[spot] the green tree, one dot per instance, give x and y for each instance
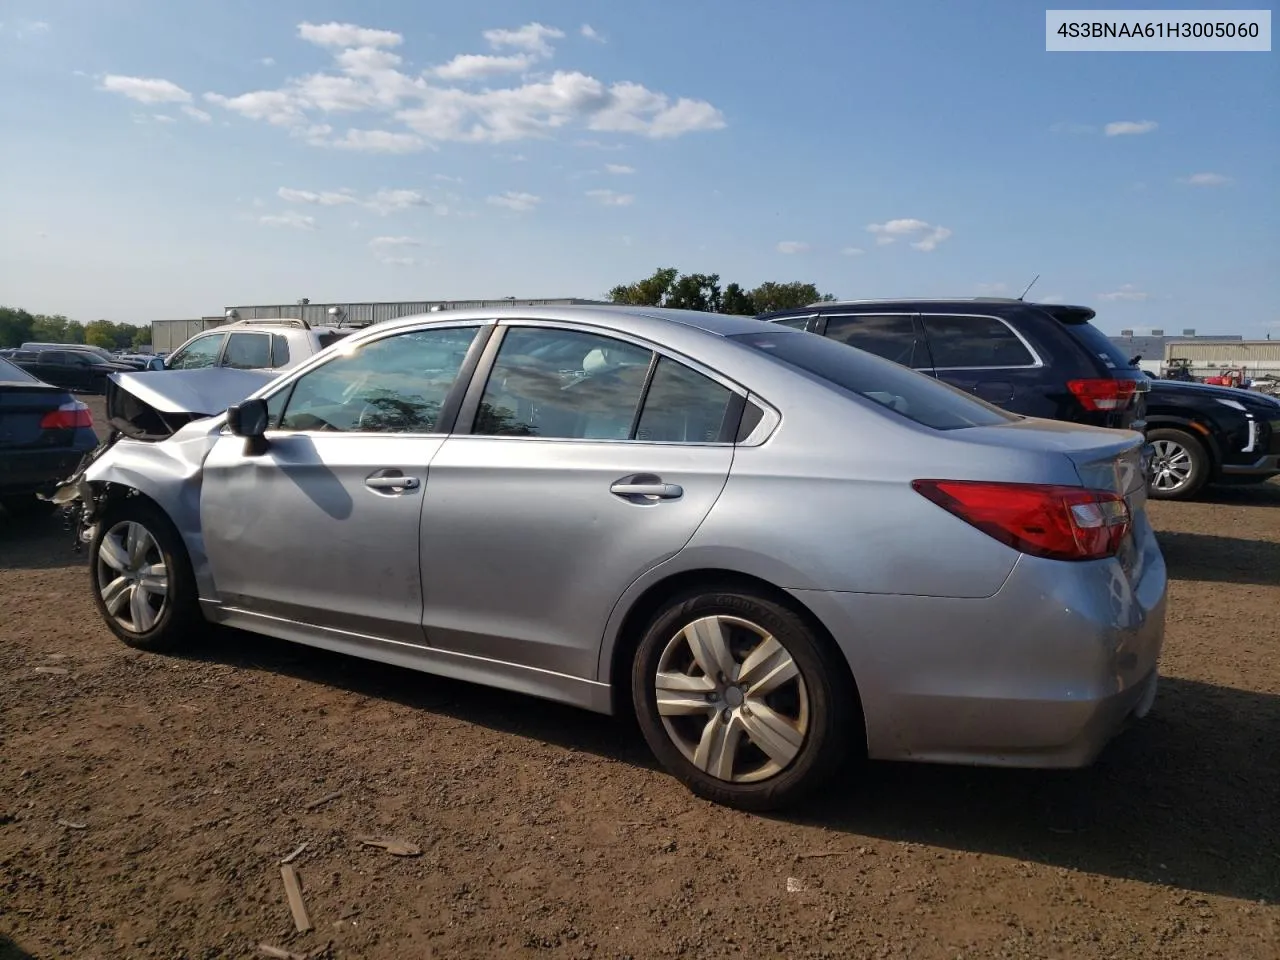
(141, 336)
(649, 292)
(49, 328)
(695, 291)
(738, 301)
(770, 296)
(15, 326)
(100, 333)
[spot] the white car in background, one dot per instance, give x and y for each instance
(278, 345)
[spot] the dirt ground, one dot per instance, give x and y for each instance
(146, 801)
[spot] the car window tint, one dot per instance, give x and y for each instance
(892, 336)
(396, 384)
(201, 352)
(279, 350)
(14, 374)
(797, 323)
(51, 356)
(974, 342)
(682, 406)
(248, 351)
(915, 396)
(562, 384)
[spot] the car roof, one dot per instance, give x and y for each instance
(994, 305)
(623, 316)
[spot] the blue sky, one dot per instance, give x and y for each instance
(165, 160)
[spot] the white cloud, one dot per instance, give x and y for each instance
(268, 61)
(25, 28)
(1206, 180)
(1127, 292)
(792, 246)
(597, 145)
(852, 251)
(382, 243)
(388, 201)
(619, 168)
(379, 141)
(476, 66)
(608, 198)
(163, 118)
(1122, 128)
(289, 218)
(145, 89)
(347, 35)
(629, 107)
(445, 178)
(532, 37)
(276, 107)
(195, 113)
(398, 261)
(521, 202)
(591, 33)
(1051, 298)
(327, 198)
(926, 236)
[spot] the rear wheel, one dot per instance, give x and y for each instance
(142, 580)
(1179, 464)
(740, 700)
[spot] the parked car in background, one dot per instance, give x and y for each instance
(777, 551)
(73, 369)
(38, 345)
(1035, 359)
(1203, 434)
(44, 432)
(251, 345)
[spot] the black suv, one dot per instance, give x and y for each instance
(1036, 359)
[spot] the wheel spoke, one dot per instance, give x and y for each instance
(772, 733)
(681, 695)
(718, 747)
(766, 668)
(710, 648)
(134, 544)
(140, 610)
(113, 554)
(115, 594)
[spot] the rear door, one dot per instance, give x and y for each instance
(590, 459)
(894, 336)
(986, 356)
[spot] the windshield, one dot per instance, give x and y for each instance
(915, 396)
(14, 374)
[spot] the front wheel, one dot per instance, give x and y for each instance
(1179, 464)
(142, 580)
(739, 699)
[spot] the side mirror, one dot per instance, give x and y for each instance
(155, 363)
(248, 419)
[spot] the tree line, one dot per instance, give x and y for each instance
(667, 287)
(17, 327)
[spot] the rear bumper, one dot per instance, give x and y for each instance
(1043, 674)
(38, 471)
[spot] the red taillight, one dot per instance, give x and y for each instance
(1104, 394)
(67, 417)
(1058, 523)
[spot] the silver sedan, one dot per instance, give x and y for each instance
(778, 551)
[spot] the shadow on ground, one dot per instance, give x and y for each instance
(1207, 557)
(36, 543)
(11, 951)
(1186, 798)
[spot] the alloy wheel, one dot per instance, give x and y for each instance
(732, 699)
(1171, 465)
(132, 577)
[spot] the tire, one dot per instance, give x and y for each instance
(1185, 461)
(818, 706)
(174, 617)
(27, 505)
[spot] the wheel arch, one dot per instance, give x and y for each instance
(1194, 428)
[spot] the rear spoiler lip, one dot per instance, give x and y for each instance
(1067, 313)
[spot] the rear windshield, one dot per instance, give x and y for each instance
(330, 337)
(913, 395)
(1096, 342)
(12, 374)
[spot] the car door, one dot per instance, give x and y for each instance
(54, 366)
(247, 351)
(580, 462)
(985, 356)
(894, 336)
(322, 528)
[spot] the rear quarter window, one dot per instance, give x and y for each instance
(1099, 345)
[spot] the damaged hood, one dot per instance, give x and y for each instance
(152, 405)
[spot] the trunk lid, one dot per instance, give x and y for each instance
(22, 407)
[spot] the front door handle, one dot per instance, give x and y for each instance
(392, 483)
(646, 487)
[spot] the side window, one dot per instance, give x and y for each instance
(562, 384)
(394, 385)
(279, 350)
(892, 336)
(248, 351)
(201, 352)
(798, 323)
(682, 406)
(957, 341)
(55, 357)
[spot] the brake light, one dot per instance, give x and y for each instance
(1103, 394)
(69, 416)
(1043, 520)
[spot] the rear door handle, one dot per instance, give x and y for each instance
(392, 483)
(655, 489)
